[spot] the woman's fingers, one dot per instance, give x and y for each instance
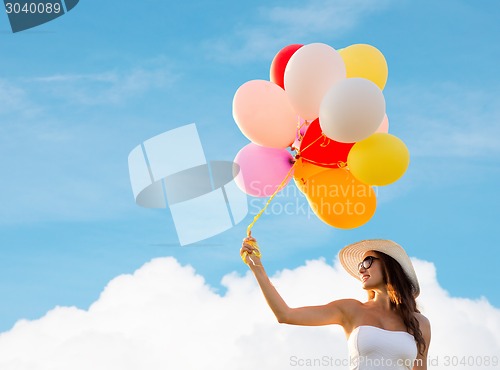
(250, 251)
(247, 248)
(248, 243)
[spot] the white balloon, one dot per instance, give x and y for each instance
(310, 73)
(352, 110)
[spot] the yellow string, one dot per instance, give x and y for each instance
(256, 251)
(278, 189)
(299, 127)
(254, 244)
(326, 142)
(299, 135)
(302, 149)
(339, 164)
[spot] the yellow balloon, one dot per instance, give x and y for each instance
(303, 171)
(380, 159)
(365, 61)
(339, 199)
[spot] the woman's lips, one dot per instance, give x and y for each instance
(364, 278)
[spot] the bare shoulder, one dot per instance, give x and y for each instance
(422, 320)
(348, 303)
(425, 325)
(350, 308)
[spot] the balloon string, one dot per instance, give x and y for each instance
(278, 189)
(340, 164)
(299, 127)
(318, 138)
(280, 186)
(299, 134)
(326, 141)
(256, 252)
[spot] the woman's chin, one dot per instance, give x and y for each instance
(367, 286)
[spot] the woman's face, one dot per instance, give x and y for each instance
(371, 277)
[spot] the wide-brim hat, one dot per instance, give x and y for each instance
(351, 255)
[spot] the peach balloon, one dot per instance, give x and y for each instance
(264, 115)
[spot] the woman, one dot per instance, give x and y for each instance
(385, 332)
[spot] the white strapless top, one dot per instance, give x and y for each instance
(373, 348)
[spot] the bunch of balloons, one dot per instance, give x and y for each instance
(321, 119)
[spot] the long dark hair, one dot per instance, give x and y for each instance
(399, 289)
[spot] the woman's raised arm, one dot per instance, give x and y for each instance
(335, 312)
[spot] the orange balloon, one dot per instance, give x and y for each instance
(303, 171)
(339, 199)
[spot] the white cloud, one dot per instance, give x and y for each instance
(276, 26)
(166, 316)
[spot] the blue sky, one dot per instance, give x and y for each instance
(79, 93)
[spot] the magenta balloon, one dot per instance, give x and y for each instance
(263, 113)
(262, 169)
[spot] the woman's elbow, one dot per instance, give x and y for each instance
(282, 320)
(282, 317)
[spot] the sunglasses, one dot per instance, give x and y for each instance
(367, 262)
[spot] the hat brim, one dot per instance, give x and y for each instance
(351, 255)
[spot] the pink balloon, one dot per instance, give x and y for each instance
(262, 169)
(264, 115)
(384, 126)
(304, 125)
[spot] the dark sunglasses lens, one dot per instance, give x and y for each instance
(367, 262)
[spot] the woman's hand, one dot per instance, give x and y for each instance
(250, 252)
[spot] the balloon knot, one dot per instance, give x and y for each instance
(326, 141)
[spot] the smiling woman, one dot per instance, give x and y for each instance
(386, 331)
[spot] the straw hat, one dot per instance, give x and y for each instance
(351, 255)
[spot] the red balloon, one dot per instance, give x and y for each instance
(279, 64)
(318, 149)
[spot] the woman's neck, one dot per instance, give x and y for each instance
(381, 300)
